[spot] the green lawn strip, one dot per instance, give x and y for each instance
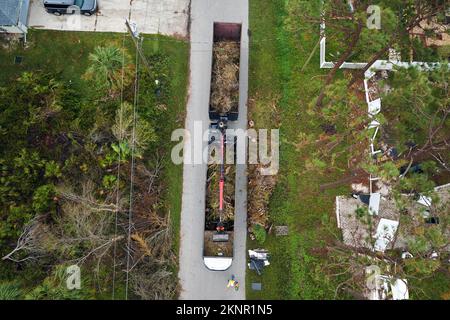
(275, 65)
(65, 53)
(178, 51)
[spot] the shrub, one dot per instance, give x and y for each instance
(42, 198)
(9, 291)
(260, 233)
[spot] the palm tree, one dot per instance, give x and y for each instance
(108, 68)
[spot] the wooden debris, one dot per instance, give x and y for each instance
(225, 76)
(260, 188)
(213, 192)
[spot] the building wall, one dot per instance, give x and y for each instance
(12, 29)
(24, 10)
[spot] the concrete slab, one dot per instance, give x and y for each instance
(256, 286)
(168, 17)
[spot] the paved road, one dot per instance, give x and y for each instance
(169, 17)
(196, 280)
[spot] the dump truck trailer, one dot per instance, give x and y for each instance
(226, 52)
(221, 175)
(219, 200)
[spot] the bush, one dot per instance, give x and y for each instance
(260, 233)
(42, 198)
(9, 291)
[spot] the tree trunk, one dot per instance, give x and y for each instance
(344, 57)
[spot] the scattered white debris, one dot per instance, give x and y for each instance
(386, 231)
(407, 255)
(374, 204)
(399, 289)
(374, 107)
(425, 201)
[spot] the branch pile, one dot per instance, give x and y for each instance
(260, 188)
(225, 76)
(213, 192)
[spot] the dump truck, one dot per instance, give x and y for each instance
(221, 172)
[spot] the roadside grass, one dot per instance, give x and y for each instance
(178, 51)
(65, 54)
(276, 61)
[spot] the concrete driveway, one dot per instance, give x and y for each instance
(169, 17)
(197, 282)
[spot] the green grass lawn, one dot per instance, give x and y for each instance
(65, 53)
(178, 51)
(276, 60)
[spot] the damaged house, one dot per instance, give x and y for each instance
(374, 221)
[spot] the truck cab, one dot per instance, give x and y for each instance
(59, 7)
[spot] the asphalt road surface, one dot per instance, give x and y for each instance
(197, 282)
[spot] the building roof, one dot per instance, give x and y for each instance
(356, 231)
(384, 232)
(440, 36)
(13, 11)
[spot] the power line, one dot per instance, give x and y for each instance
(134, 37)
(133, 159)
(118, 172)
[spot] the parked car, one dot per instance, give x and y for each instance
(59, 7)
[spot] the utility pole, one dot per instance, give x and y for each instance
(132, 30)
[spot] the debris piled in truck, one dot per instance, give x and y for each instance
(225, 76)
(212, 189)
